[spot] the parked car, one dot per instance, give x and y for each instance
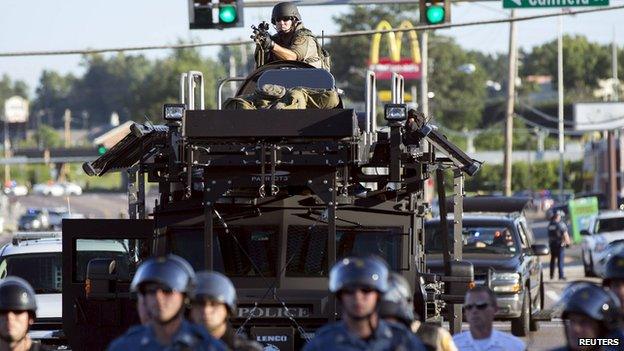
(36, 257)
(34, 219)
(604, 228)
(57, 216)
(15, 189)
(51, 189)
(71, 188)
(505, 257)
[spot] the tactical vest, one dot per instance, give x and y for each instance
(324, 56)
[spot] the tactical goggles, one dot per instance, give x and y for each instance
(479, 306)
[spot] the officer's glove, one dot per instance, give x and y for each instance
(267, 44)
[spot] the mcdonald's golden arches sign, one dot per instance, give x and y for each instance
(408, 67)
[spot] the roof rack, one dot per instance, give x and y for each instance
(23, 236)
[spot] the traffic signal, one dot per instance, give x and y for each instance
(435, 11)
(215, 14)
(101, 149)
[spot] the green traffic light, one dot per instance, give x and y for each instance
(101, 150)
(435, 14)
(227, 14)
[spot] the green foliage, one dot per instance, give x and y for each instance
(584, 62)
(533, 176)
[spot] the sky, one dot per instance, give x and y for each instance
(39, 25)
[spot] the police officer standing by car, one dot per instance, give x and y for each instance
(397, 305)
(558, 239)
(213, 302)
(18, 308)
(164, 282)
(293, 41)
(591, 313)
(358, 284)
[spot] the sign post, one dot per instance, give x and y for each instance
(516, 4)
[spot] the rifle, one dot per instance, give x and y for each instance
(260, 33)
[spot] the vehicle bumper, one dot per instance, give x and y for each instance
(509, 305)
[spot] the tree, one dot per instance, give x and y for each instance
(52, 97)
(584, 63)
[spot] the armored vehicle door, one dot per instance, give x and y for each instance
(100, 257)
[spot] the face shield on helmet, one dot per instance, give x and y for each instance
(214, 286)
(354, 272)
(171, 271)
(593, 301)
(397, 302)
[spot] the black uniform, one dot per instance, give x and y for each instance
(556, 230)
(238, 342)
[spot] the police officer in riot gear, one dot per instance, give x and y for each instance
(557, 239)
(358, 284)
(164, 282)
(18, 308)
(590, 312)
(293, 41)
(213, 301)
(397, 305)
(614, 276)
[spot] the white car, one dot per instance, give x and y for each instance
(16, 190)
(604, 228)
(49, 189)
(71, 188)
(36, 257)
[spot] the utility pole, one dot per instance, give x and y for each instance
(64, 168)
(560, 108)
(511, 96)
(611, 134)
(7, 152)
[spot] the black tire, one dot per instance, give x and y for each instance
(520, 326)
(534, 324)
(542, 292)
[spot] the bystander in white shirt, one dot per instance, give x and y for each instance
(498, 341)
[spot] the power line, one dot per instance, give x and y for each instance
(336, 35)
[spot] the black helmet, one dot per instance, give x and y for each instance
(216, 287)
(397, 301)
(614, 269)
(285, 9)
(17, 295)
(171, 271)
(354, 271)
(595, 302)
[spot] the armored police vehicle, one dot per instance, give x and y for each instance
(271, 198)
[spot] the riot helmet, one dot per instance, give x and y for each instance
(349, 272)
(614, 269)
(16, 294)
(397, 301)
(285, 9)
(171, 271)
(595, 302)
(214, 286)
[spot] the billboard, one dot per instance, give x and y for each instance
(581, 211)
(16, 110)
(408, 67)
(598, 115)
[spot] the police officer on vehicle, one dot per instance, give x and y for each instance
(293, 41)
(213, 301)
(397, 305)
(358, 284)
(164, 282)
(18, 308)
(591, 312)
(614, 276)
(558, 239)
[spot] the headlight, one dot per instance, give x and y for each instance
(506, 282)
(173, 112)
(395, 112)
(600, 246)
(36, 224)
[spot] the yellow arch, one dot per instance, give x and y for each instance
(394, 41)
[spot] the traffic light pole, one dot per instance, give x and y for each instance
(424, 86)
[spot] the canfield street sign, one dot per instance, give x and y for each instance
(510, 4)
